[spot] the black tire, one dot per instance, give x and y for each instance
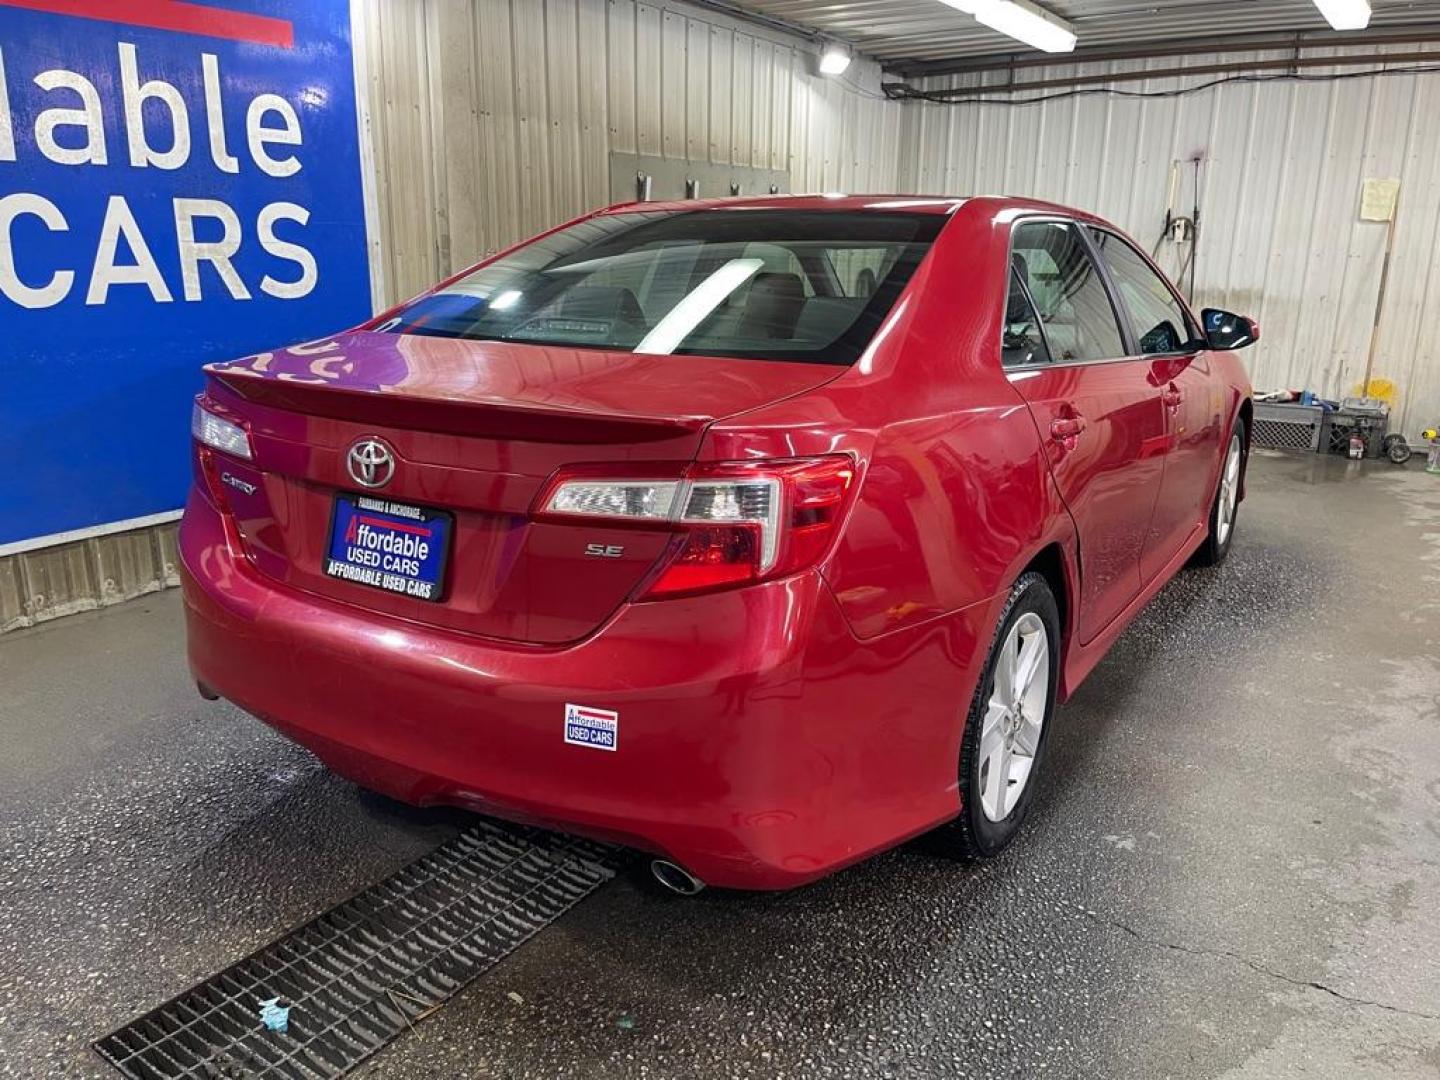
(974, 835)
(1217, 541)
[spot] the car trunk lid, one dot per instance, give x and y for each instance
(475, 429)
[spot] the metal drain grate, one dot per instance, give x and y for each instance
(365, 971)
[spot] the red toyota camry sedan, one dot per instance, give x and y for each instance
(756, 534)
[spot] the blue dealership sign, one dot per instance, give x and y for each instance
(179, 183)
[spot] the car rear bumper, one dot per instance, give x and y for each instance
(760, 745)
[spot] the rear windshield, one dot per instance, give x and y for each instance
(771, 284)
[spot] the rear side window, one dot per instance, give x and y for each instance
(738, 282)
(1070, 298)
(1022, 343)
(1156, 315)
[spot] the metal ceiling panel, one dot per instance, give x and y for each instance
(901, 32)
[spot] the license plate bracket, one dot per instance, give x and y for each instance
(394, 547)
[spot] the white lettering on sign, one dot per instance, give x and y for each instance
(257, 134)
(88, 116)
(156, 120)
(7, 133)
(58, 287)
(69, 129)
(119, 221)
(215, 115)
(283, 249)
(414, 513)
(136, 95)
(391, 543)
(216, 252)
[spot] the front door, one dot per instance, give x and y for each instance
(1101, 420)
(1168, 338)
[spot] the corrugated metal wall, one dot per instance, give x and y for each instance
(494, 119)
(490, 120)
(1281, 178)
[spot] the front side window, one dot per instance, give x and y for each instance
(1070, 297)
(1158, 318)
(775, 284)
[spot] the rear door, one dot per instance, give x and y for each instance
(1096, 409)
(1165, 336)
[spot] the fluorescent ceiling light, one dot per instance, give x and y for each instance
(1028, 23)
(1025, 22)
(695, 307)
(1345, 14)
(834, 60)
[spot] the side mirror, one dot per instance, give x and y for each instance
(1226, 330)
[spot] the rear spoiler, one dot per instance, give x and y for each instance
(494, 418)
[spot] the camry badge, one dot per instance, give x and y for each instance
(238, 484)
(371, 463)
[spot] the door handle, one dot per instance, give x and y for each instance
(1065, 429)
(1172, 397)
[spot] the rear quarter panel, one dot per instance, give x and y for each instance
(955, 495)
(955, 499)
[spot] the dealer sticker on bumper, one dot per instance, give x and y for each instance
(598, 729)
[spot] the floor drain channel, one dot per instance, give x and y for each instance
(364, 972)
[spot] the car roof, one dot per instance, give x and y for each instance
(876, 203)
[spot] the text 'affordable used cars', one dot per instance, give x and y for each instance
(757, 534)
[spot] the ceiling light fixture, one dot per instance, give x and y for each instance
(1345, 14)
(834, 60)
(1023, 21)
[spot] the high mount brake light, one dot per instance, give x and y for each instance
(738, 522)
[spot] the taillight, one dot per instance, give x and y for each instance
(215, 431)
(739, 522)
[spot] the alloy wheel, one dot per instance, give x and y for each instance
(1014, 716)
(1229, 491)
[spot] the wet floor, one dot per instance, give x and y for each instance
(1234, 870)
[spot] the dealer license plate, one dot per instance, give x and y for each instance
(391, 546)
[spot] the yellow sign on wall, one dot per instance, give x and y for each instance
(1378, 199)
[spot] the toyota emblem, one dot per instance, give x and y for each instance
(371, 463)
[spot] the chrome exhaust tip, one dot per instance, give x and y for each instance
(675, 877)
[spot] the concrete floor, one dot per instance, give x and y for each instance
(1234, 870)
